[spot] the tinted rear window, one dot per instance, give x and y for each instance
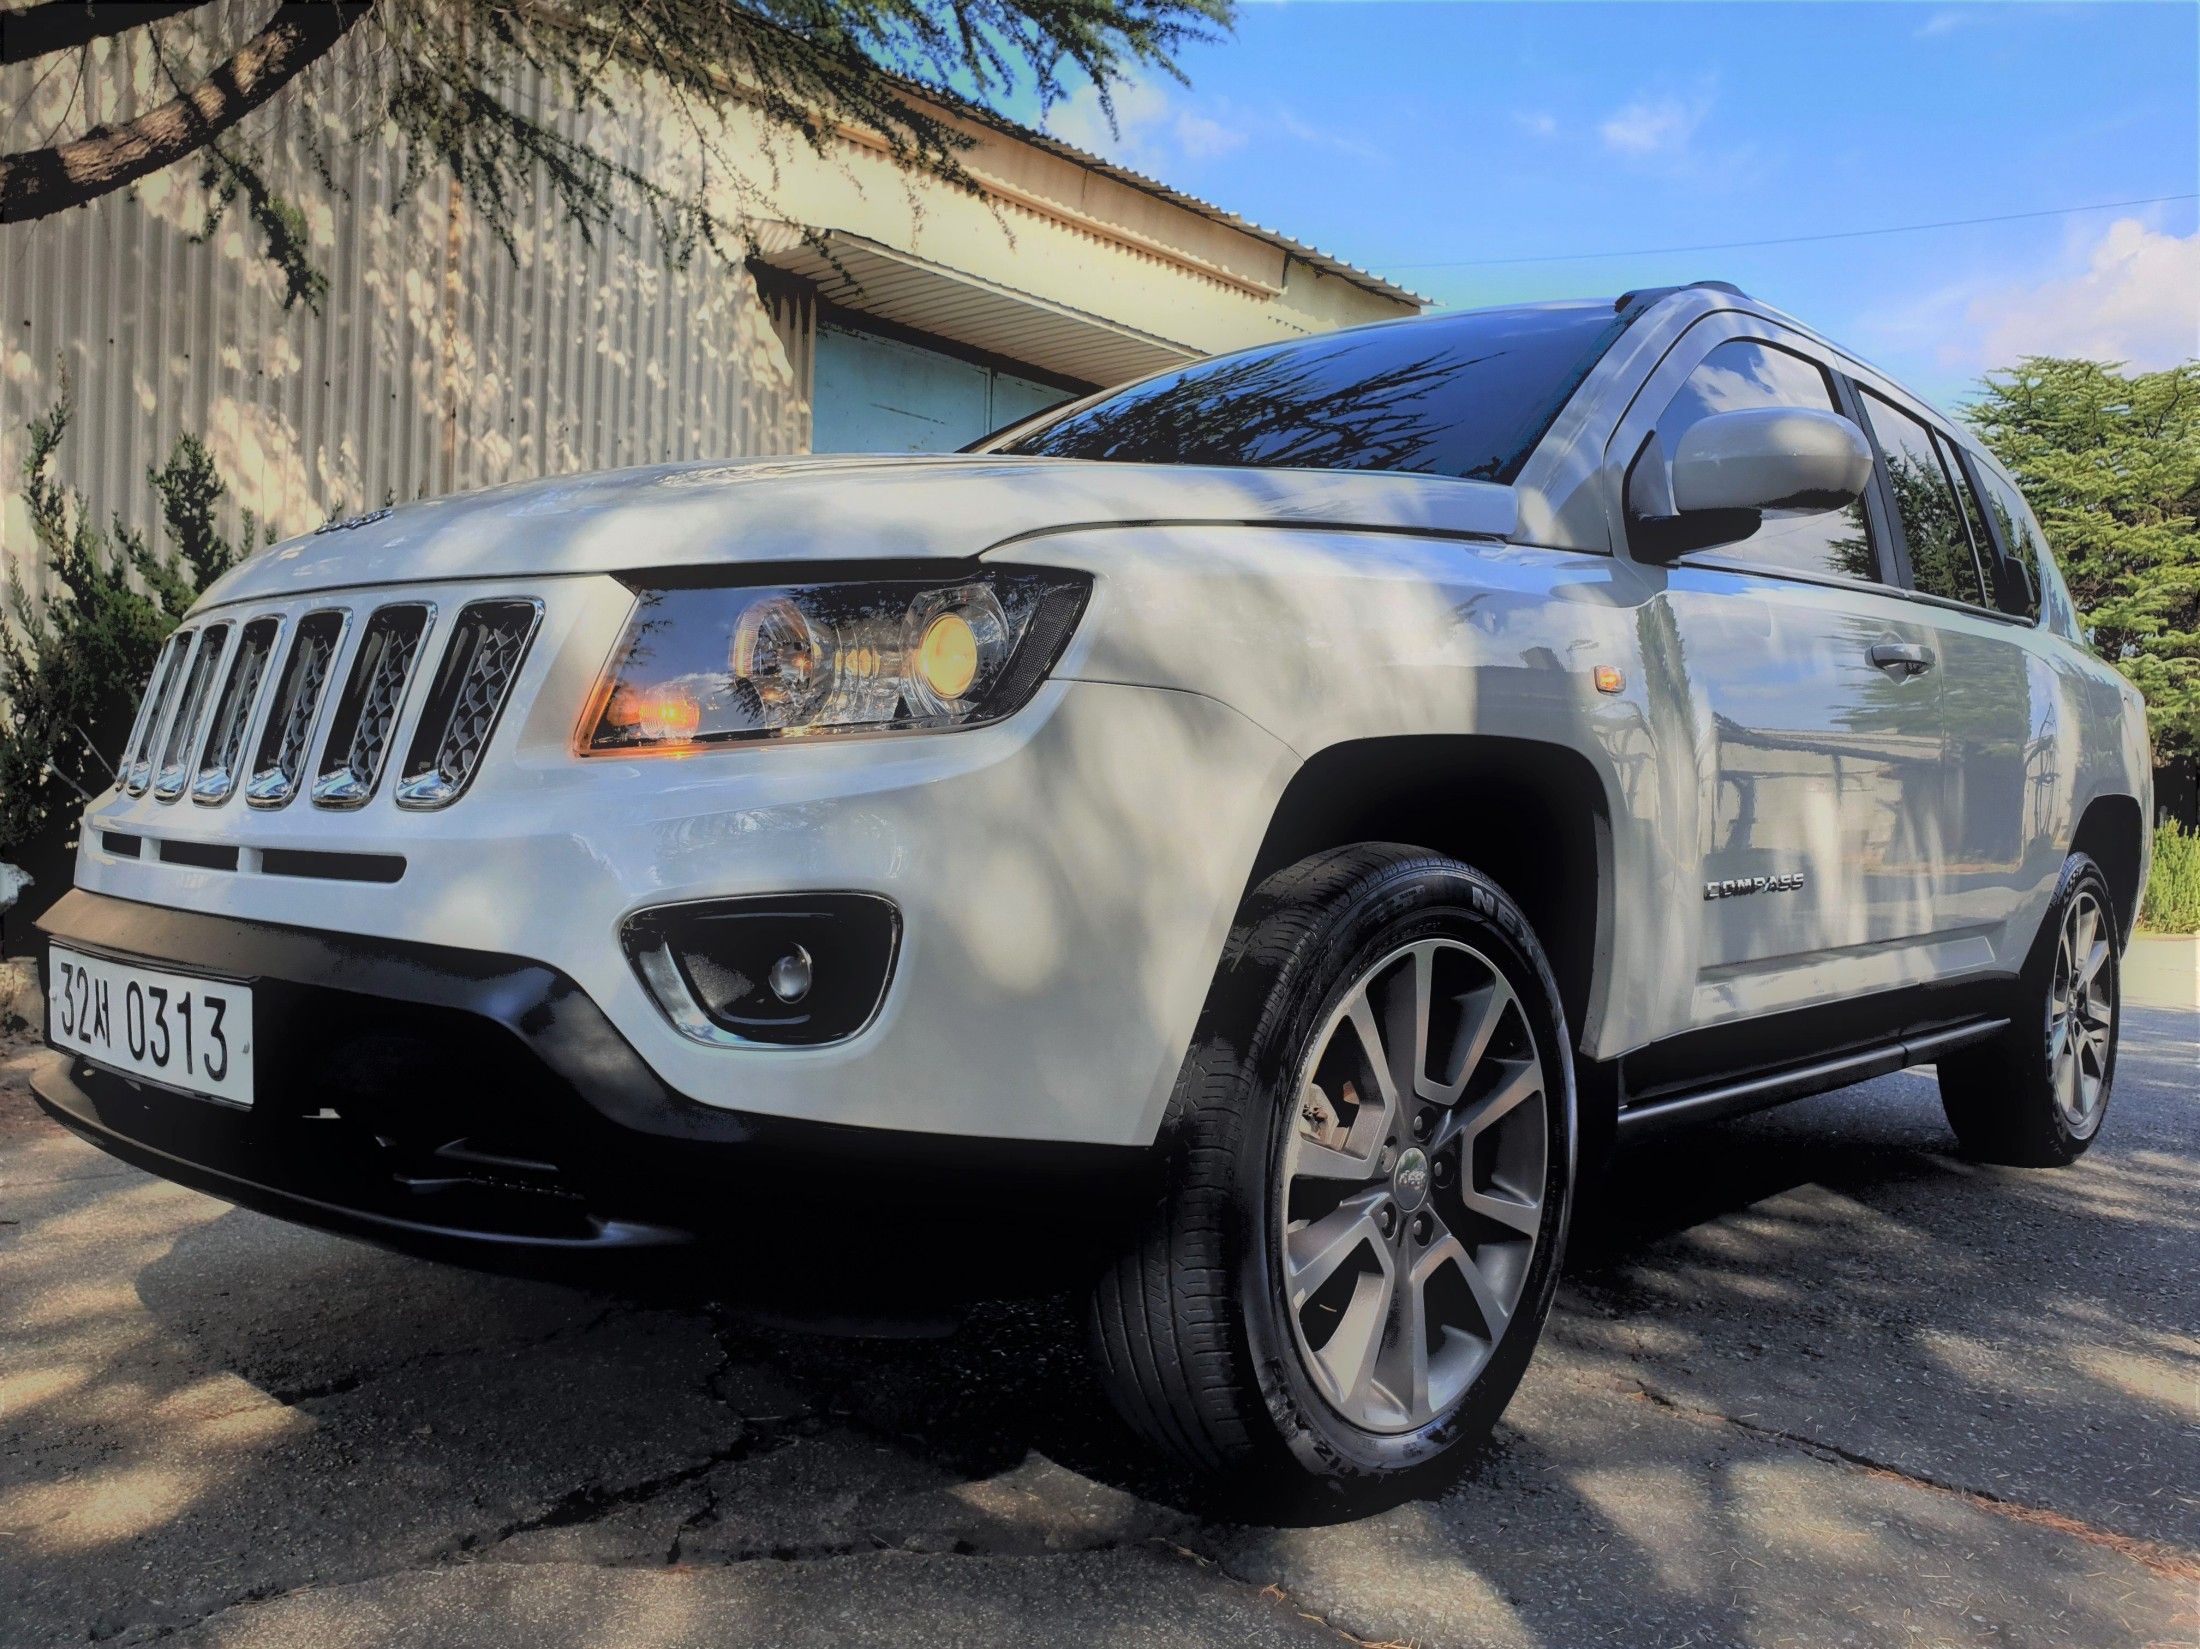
(2020, 544)
(1941, 559)
(1466, 395)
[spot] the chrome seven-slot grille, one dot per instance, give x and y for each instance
(189, 734)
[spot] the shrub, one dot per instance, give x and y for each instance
(2172, 901)
(71, 668)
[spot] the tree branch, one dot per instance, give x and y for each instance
(61, 25)
(40, 182)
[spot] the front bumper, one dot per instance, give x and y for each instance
(482, 1108)
(1065, 879)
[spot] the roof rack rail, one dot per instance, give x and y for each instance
(1644, 296)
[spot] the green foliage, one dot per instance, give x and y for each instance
(2172, 901)
(2110, 463)
(72, 667)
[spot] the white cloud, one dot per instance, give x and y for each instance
(1291, 126)
(1652, 127)
(2136, 300)
(1155, 133)
(1150, 130)
(1080, 119)
(1971, 14)
(1201, 137)
(1536, 122)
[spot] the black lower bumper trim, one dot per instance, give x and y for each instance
(482, 1108)
(167, 1135)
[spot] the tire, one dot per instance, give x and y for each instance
(1194, 1326)
(2022, 1098)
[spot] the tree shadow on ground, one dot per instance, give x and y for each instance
(241, 1375)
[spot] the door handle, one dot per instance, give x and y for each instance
(1907, 656)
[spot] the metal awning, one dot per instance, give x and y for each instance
(852, 272)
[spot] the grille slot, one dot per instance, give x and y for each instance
(183, 727)
(332, 867)
(488, 644)
(200, 855)
(359, 736)
(138, 764)
(217, 775)
(281, 760)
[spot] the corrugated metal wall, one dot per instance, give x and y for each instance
(437, 362)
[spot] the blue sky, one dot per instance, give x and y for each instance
(1421, 140)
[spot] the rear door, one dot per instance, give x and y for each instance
(1980, 612)
(1814, 712)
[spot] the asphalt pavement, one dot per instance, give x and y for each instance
(1814, 1379)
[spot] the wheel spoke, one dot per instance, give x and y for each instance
(1512, 1212)
(1349, 1355)
(1313, 1252)
(1489, 1300)
(1482, 1010)
(1413, 1032)
(2094, 960)
(2095, 1001)
(1405, 1356)
(1314, 1160)
(1361, 1012)
(1523, 1079)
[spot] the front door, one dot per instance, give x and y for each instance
(1814, 707)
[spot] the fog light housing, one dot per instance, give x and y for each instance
(784, 970)
(790, 976)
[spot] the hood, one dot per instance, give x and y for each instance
(830, 509)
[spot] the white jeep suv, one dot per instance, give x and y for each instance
(1279, 822)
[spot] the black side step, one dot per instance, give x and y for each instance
(1737, 1095)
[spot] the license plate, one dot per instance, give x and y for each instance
(172, 1028)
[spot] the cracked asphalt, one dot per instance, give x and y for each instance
(1813, 1379)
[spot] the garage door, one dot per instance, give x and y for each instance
(874, 394)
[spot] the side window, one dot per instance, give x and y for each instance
(1941, 562)
(1982, 543)
(1741, 373)
(2022, 549)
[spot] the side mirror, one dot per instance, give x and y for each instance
(1727, 470)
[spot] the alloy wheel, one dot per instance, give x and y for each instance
(1412, 1186)
(2081, 1007)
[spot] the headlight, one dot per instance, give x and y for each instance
(704, 666)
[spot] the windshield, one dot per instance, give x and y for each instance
(1466, 395)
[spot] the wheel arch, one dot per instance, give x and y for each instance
(2112, 832)
(1532, 816)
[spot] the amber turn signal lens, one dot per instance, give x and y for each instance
(1607, 679)
(671, 716)
(947, 657)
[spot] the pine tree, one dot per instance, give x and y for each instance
(2110, 463)
(72, 666)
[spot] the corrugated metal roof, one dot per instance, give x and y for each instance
(1326, 262)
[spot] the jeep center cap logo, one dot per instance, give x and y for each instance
(1409, 1180)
